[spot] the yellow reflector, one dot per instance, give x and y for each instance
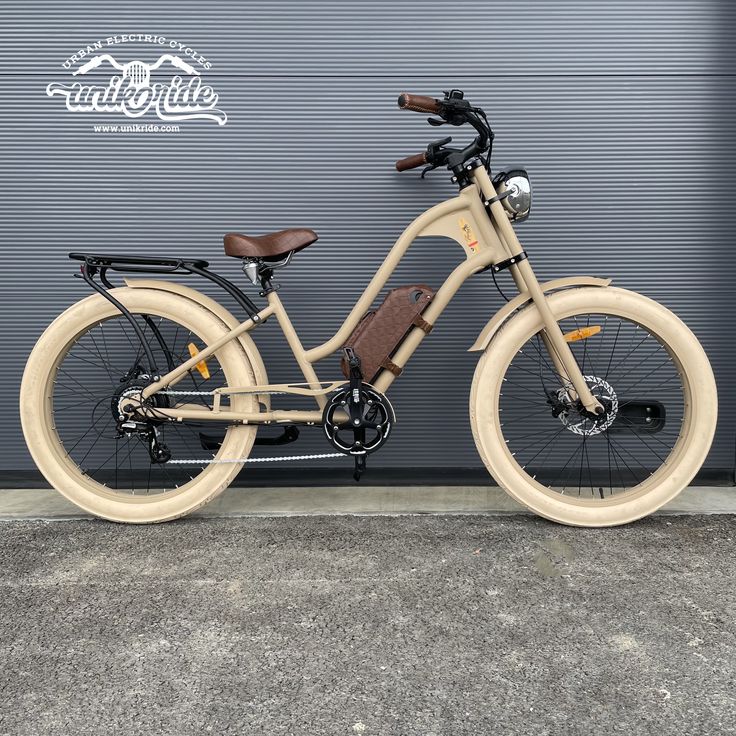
(204, 371)
(582, 334)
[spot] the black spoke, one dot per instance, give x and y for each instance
(641, 380)
(623, 460)
(631, 351)
(574, 453)
(515, 420)
(99, 371)
(601, 455)
(562, 379)
(615, 460)
(613, 350)
(533, 457)
(532, 434)
(90, 362)
(601, 340)
(640, 437)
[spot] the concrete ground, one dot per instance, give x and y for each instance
(46, 503)
(426, 625)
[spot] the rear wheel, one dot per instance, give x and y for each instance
(654, 381)
(88, 364)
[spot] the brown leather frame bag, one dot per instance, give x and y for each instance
(380, 332)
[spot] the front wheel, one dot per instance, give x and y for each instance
(651, 375)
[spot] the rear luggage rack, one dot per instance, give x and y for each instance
(96, 264)
(137, 263)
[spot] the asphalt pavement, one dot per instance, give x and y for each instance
(426, 625)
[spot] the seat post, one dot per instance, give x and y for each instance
(266, 276)
(261, 269)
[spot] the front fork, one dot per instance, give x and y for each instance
(525, 280)
(554, 342)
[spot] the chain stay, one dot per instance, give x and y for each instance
(212, 461)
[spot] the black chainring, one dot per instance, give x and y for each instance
(375, 417)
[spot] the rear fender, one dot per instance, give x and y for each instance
(486, 335)
(227, 318)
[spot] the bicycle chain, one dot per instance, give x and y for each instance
(212, 393)
(211, 461)
(287, 458)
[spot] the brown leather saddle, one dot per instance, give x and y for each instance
(270, 247)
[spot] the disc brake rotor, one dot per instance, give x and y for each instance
(581, 422)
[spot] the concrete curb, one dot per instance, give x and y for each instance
(361, 500)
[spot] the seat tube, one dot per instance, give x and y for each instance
(296, 346)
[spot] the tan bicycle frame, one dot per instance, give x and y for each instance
(484, 239)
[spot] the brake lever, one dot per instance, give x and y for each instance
(434, 147)
(435, 155)
(436, 121)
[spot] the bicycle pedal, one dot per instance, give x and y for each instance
(359, 467)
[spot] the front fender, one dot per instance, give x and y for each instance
(226, 317)
(521, 299)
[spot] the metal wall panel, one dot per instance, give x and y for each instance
(623, 114)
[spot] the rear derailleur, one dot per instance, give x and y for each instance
(358, 419)
(149, 435)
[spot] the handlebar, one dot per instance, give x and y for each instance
(454, 110)
(419, 103)
(412, 162)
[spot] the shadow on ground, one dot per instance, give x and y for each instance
(376, 625)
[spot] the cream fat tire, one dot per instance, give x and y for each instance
(49, 453)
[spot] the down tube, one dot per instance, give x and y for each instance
(432, 313)
(382, 276)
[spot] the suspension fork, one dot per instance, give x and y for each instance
(525, 280)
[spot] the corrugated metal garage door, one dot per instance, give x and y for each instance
(623, 114)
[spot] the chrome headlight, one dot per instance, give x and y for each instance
(518, 202)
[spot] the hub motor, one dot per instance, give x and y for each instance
(128, 395)
(129, 422)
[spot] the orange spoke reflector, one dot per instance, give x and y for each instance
(582, 334)
(204, 371)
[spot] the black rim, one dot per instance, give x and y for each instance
(562, 447)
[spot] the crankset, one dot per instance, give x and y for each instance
(358, 419)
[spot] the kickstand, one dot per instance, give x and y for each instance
(359, 466)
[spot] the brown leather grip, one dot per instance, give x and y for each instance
(419, 103)
(411, 162)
